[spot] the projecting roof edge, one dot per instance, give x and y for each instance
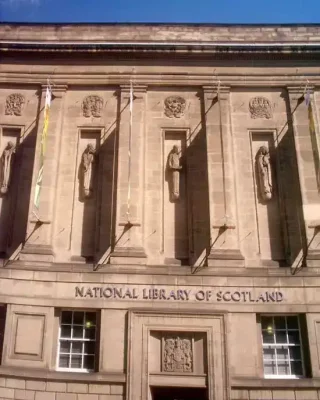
(182, 47)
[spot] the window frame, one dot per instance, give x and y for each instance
(96, 341)
(287, 345)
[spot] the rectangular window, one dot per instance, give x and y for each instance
(282, 350)
(77, 341)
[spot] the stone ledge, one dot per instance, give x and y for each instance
(37, 249)
(226, 254)
(154, 270)
(39, 374)
(246, 383)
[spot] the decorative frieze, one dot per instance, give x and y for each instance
(174, 106)
(92, 106)
(177, 353)
(14, 104)
(260, 107)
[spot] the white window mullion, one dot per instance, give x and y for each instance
(283, 348)
(76, 343)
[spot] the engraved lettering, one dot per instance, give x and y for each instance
(187, 294)
(127, 294)
(107, 293)
(236, 296)
(279, 297)
(227, 296)
(200, 295)
(172, 295)
(117, 293)
(79, 291)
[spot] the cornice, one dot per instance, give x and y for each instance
(277, 50)
(143, 82)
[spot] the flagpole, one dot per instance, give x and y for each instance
(44, 134)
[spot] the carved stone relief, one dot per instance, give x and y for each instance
(92, 106)
(264, 173)
(14, 104)
(174, 106)
(87, 161)
(174, 170)
(6, 163)
(260, 107)
(177, 354)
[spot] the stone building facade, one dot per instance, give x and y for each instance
(174, 253)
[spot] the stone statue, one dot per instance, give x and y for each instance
(264, 173)
(6, 163)
(174, 169)
(87, 173)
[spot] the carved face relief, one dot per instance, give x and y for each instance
(177, 354)
(174, 106)
(260, 107)
(92, 106)
(14, 104)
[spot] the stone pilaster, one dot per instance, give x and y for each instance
(224, 243)
(38, 245)
(307, 149)
(129, 240)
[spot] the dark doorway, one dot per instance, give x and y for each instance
(178, 393)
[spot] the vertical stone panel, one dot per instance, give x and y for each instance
(305, 127)
(129, 236)
(269, 225)
(224, 246)
(175, 210)
(39, 246)
(87, 195)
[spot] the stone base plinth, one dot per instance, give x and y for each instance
(313, 258)
(225, 258)
(39, 252)
(128, 255)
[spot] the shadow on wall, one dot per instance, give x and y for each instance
(290, 193)
(198, 199)
(97, 197)
(15, 203)
(269, 206)
(191, 233)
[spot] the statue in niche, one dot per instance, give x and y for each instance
(92, 106)
(177, 355)
(174, 171)
(264, 173)
(6, 163)
(87, 170)
(14, 104)
(260, 107)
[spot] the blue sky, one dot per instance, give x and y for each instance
(213, 11)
